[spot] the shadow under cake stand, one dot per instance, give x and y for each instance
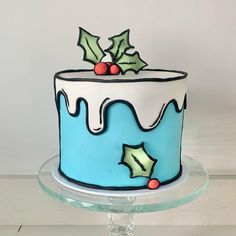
(121, 205)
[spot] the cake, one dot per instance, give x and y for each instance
(120, 124)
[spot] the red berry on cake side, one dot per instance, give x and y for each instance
(101, 68)
(114, 69)
(153, 184)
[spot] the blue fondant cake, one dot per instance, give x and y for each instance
(119, 130)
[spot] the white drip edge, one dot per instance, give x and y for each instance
(148, 98)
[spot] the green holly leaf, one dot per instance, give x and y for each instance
(131, 62)
(92, 51)
(137, 160)
(120, 43)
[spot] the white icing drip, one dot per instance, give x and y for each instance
(148, 98)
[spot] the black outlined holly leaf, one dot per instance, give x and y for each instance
(92, 51)
(130, 62)
(139, 162)
(120, 44)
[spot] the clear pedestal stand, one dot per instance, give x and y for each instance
(122, 207)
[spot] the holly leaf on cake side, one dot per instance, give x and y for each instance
(130, 62)
(92, 51)
(137, 160)
(120, 44)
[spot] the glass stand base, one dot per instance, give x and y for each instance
(121, 208)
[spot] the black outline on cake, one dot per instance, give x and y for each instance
(115, 187)
(182, 76)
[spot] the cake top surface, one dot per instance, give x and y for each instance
(144, 75)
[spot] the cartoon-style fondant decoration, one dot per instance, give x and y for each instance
(153, 183)
(121, 60)
(140, 163)
(97, 110)
(130, 92)
(120, 44)
(114, 69)
(92, 51)
(131, 62)
(101, 68)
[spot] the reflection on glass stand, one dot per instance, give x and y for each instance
(122, 207)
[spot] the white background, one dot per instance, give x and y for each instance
(38, 38)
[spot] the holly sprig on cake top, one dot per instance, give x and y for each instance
(121, 60)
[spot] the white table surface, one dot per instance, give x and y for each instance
(101, 230)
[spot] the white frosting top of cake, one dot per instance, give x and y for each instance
(147, 93)
(128, 75)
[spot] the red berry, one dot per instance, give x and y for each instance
(114, 69)
(153, 183)
(101, 68)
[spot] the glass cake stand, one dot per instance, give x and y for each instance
(121, 207)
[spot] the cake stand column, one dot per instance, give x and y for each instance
(120, 222)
